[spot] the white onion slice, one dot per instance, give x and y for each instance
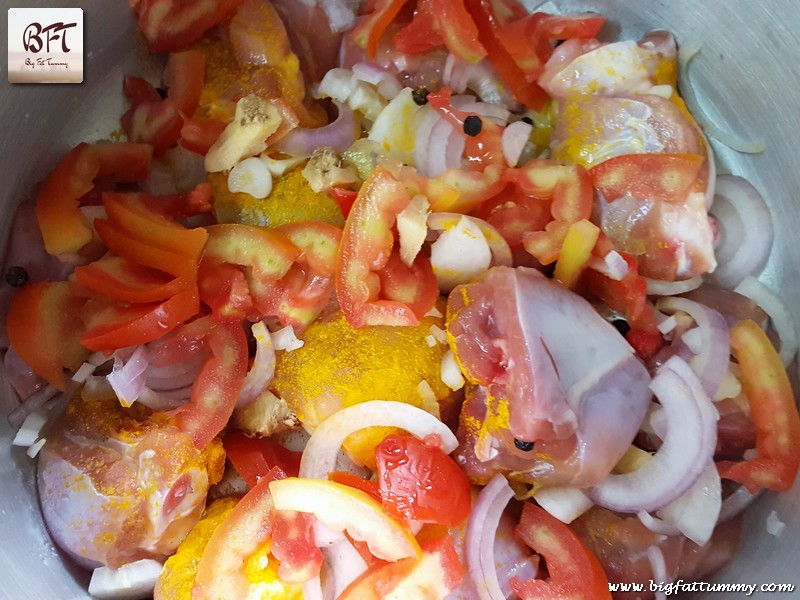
(260, 374)
(480, 536)
(515, 136)
(339, 134)
(501, 252)
(778, 313)
(736, 503)
(285, 339)
(565, 503)
(688, 446)
(387, 84)
(711, 363)
(319, 456)
(695, 514)
(450, 372)
(656, 287)
(745, 228)
(461, 253)
(127, 379)
(132, 581)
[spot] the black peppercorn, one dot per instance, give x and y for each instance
(420, 96)
(621, 326)
(16, 276)
(527, 120)
(524, 446)
(472, 125)
(162, 92)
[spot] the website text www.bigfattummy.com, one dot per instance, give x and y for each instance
(701, 586)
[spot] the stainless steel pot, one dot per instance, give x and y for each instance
(746, 75)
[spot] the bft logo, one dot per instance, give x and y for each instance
(45, 45)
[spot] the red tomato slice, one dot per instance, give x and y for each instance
(566, 27)
(118, 278)
(117, 325)
(370, 28)
(171, 25)
(150, 119)
(513, 213)
(773, 410)
(529, 94)
(124, 162)
(198, 135)
(44, 331)
(447, 22)
(216, 390)
(354, 481)
(420, 35)
(224, 289)
(293, 545)
(254, 457)
(344, 198)
(414, 286)
(529, 50)
(664, 177)
(366, 245)
(419, 482)
(220, 572)
(199, 201)
(574, 572)
(184, 78)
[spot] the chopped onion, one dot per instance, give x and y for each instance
(319, 456)
(774, 525)
(501, 252)
(412, 228)
(515, 136)
(127, 379)
(735, 504)
(387, 84)
(451, 372)
(711, 363)
(31, 427)
(132, 581)
(565, 503)
(345, 564)
(442, 136)
(480, 537)
(782, 321)
(285, 339)
(251, 176)
(279, 166)
(745, 228)
(612, 265)
(656, 525)
(659, 567)
(461, 253)
(163, 400)
(688, 446)
(263, 368)
(696, 512)
(656, 287)
(339, 134)
(341, 13)
(429, 402)
(426, 119)
(493, 112)
(33, 449)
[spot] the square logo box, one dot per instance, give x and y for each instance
(45, 45)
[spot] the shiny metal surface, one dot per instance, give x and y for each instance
(746, 75)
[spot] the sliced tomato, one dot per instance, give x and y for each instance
(667, 177)
(111, 326)
(513, 213)
(344, 198)
(566, 27)
(170, 25)
(354, 481)
(118, 278)
(224, 289)
(124, 162)
(198, 201)
(44, 332)
(254, 457)
(266, 253)
(449, 22)
(184, 78)
(773, 410)
(366, 245)
(220, 572)
(569, 187)
(420, 35)
(216, 390)
(414, 286)
(198, 135)
(646, 343)
(574, 572)
(490, 36)
(150, 119)
(379, 581)
(293, 545)
(529, 50)
(370, 28)
(419, 482)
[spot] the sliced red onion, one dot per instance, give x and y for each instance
(468, 103)
(387, 84)
(439, 140)
(688, 446)
(340, 134)
(565, 503)
(695, 514)
(745, 229)
(659, 567)
(127, 378)
(501, 252)
(656, 287)
(711, 363)
(736, 503)
(176, 382)
(263, 368)
(165, 400)
(33, 402)
(427, 118)
(612, 265)
(319, 456)
(455, 150)
(656, 525)
(782, 321)
(515, 136)
(481, 78)
(481, 533)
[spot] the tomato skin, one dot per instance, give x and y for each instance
(44, 332)
(414, 286)
(663, 177)
(217, 387)
(254, 457)
(574, 571)
(184, 78)
(773, 410)
(220, 573)
(118, 278)
(171, 25)
(419, 482)
(366, 245)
